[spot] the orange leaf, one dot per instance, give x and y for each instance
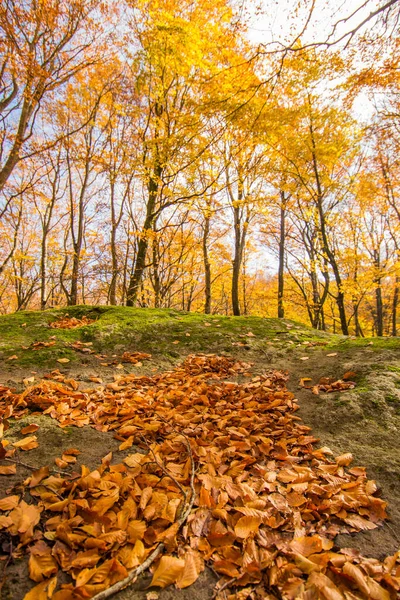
(30, 429)
(43, 591)
(42, 566)
(9, 502)
(307, 545)
(344, 459)
(8, 470)
(192, 569)
(246, 526)
(38, 476)
(168, 571)
(27, 443)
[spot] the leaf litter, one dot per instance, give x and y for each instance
(222, 474)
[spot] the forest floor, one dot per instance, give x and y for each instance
(364, 420)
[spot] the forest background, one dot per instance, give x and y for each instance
(207, 156)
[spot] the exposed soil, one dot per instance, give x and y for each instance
(364, 421)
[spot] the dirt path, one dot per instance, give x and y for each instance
(364, 421)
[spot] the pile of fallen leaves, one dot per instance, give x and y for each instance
(221, 474)
(135, 358)
(67, 322)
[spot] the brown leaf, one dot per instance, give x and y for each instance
(246, 526)
(306, 545)
(27, 443)
(43, 591)
(8, 470)
(9, 502)
(30, 429)
(41, 566)
(344, 459)
(169, 570)
(38, 476)
(192, 569)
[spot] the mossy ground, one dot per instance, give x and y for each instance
(364, 421)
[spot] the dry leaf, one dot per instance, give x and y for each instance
(29, 429)
(169, 570)
(43, 591)
(63, 360)
(246, 526)
(8, 469)
(9, 502)
(191, 570)
(27, 443)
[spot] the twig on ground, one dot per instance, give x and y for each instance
(223, 587)
(32, 467)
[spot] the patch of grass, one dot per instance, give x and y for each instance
(170, 333)
(158, 331)
(392, 398)
(341, 343)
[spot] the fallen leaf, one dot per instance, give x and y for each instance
(42, 591)
(344, 459)
(168, 570)
(27, 443)
(191, 570)
(29, 429)
(8, 469)
(9, 502)
(246, 526)
(63, 360)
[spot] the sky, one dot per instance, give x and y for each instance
(283, 20)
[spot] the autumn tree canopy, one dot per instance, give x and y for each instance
(159, 153)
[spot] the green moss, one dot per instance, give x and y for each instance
(152, 330)
(117, 328)
(392, 398)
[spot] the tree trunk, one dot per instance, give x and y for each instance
(43, 274)
(329, 253)
(207, 266)
(140, 265)
(112, 292)
(378, 295)
(394, 306)
(156, 274)
(281, 267)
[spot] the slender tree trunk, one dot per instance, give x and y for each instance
(281, 267)
(112, 292)
(43, 274)
(378, 295)
(236, 263)
(156, 274)
(140, 264)
(207, 266)
(329, 253)
(379, 310)
(394, 306)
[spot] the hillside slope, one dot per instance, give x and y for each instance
(364, 420)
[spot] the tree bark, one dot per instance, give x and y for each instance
(140, 264)
(281, 267)
(207, 266)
